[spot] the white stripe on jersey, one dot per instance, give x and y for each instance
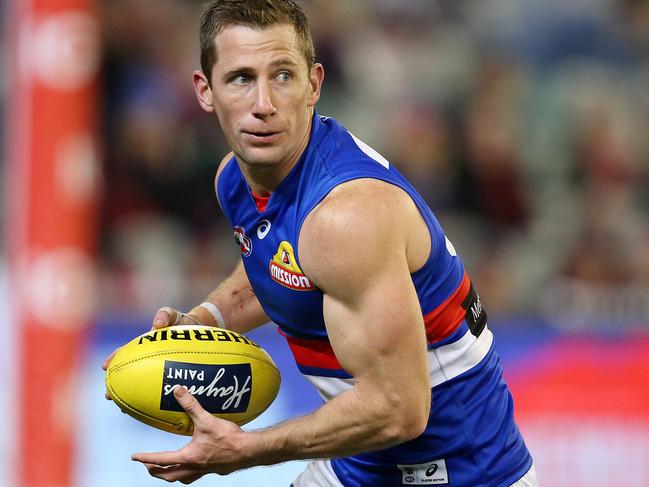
(371, 152)
(444, 363)
(455, 358)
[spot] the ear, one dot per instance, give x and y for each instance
(203, 91)
(316, 77)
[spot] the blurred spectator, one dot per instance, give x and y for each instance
(493, 183)
(523, 126)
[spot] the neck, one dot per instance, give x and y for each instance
(264, 179)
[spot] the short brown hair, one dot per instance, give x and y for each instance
(256, 13)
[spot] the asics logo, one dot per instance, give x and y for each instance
(263, 229)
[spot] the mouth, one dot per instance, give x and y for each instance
(261, 137)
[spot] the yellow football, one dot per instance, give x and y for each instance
(231, 376)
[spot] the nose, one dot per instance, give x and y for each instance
(263, 106)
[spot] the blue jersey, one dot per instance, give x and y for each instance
(471, 439)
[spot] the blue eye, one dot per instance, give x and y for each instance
(283, 77)
(241, 79)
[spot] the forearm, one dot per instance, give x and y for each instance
(237, 303)
(351, 423)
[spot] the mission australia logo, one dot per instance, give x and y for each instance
(218, 388)
(284, 270)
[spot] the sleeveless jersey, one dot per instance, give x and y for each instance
(471, 439)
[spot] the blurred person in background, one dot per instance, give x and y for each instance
(342, 253)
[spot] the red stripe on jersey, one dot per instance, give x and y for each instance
(260, 201)
(312, 353)
(445, 319)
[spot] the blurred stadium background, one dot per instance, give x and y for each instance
(524, 123)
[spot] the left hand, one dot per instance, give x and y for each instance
(214, 448)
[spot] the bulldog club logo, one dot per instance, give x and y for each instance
(245, 244)
(285, 271)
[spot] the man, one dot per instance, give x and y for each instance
(346, 258)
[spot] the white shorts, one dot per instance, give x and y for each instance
(528, 480)
(319, 473)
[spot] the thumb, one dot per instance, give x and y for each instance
(166, 317)
(189, 403)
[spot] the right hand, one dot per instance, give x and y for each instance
(163, 318)
(167, 316)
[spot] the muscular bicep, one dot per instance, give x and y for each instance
(357, 256)
(376, 329)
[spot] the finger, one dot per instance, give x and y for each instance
(189, 319)
(108, 359)
(172, 473)
(191, 405)
(159, 459)
(160, 472)
(165, 317)
(104, 366)
(191, 478)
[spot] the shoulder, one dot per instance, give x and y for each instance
(345, 152)
(363, 199)
(222, 165)
(337, 164)
(224, 162)
(358, 226)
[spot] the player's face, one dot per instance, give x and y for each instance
(263, 93)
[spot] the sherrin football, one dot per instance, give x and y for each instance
(231, 376)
